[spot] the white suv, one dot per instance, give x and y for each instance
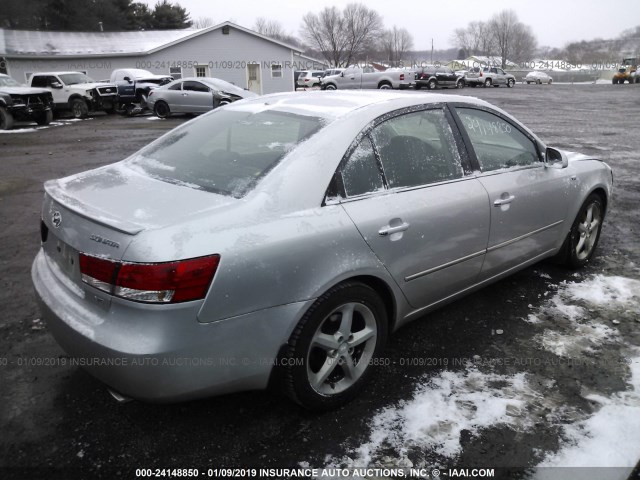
(310, 78)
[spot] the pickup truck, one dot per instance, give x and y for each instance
(489, 76)
(366, 77)
(23, 104)
(134, 86)
(76, 92)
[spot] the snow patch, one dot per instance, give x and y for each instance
(443, 408)
(610, 437)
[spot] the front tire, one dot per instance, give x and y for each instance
(460, 84)
(330, 86)
(585, 232)
(487, 82)
(331, 352)
(161, 109)
(6, 119)
(432, 84)
(79, 108)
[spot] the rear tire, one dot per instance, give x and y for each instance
(330, 86)
(332, 351)
(385, 86)
(487, 82)
(510, 82)
(432, 84)
(460, 84)
(161, 109)
(6, 119)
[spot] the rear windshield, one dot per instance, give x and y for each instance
(225, 152)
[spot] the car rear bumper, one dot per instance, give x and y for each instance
(160, 353)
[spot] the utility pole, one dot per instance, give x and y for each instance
(432, 51)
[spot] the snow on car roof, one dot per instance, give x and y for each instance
(335, 104)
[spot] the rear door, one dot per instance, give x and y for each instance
(416, 205)
(173, 96)
(446, 77)
(528, 201)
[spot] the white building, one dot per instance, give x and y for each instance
(227, 51)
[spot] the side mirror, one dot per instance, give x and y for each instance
(56, 85)
(127, 79)
(555, 158)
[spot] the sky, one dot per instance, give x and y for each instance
(554, 22)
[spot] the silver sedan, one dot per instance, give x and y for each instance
(279, 240)
(194, 95)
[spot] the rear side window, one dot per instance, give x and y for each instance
(497, 143)
(225, 152)
(360, 174)
(417, 149)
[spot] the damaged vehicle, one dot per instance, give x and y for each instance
(134, 86)
(194, 95)
(23, 104)
(278, 241)
(77, 92)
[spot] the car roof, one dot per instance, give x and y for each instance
(334, 104)
(56, 73)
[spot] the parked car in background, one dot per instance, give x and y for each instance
(332, 71)
(77, 92)
(432, 77)
(538, 77)
(357, 77)
(279, 240)
(134, 86)
(23, 104)
(194, 95)
(489, 76)
(310, 78)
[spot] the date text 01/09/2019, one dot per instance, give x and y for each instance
(227, 64)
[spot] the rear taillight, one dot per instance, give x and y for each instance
(480, 74)
(402, 76)
(169, 282)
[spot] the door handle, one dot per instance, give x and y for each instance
(504, 201)
(384, 231)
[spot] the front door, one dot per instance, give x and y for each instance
(253, 78)
(520, 189)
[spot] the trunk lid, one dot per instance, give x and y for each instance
(100, 212)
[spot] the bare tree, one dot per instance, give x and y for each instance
(395, 43)
(513, 39)
(475, 39)
(203, 22)
(524, 43)
(269, 28)
(342, 37)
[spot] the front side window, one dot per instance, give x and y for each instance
(417, 149)
(194, 87)
(497, 143)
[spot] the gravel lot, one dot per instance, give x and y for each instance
(557, 356)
